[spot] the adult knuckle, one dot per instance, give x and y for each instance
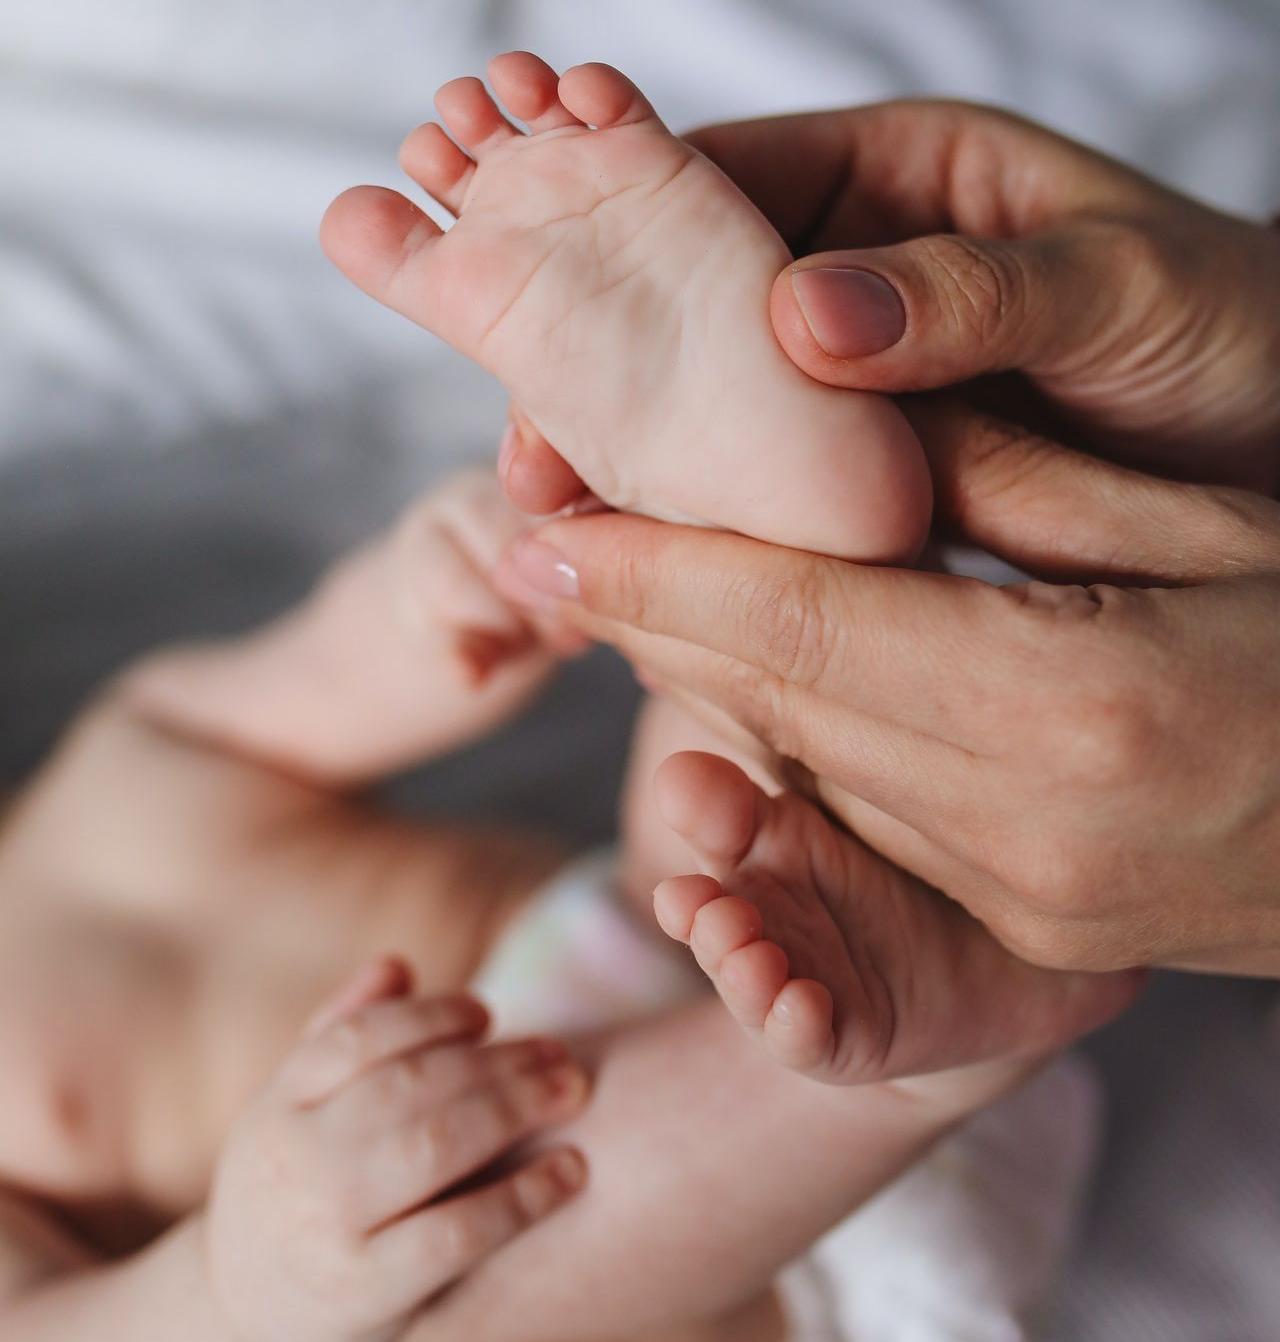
(1072, 603)
(1093, 715)
(1002, 461)
(1103, 738)
(1056, 874)
(751, 700)
(1024, 868)
(779, 724)
(629, 598)
(981, 289)
(794, 627)
(763, 705)
(1141, 253)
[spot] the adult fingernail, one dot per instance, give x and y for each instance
(545, 569)
(851, 313)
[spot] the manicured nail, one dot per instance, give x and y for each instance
(545, 569)
(851, 313)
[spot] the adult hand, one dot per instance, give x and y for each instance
(985, 244)
(1094, 771)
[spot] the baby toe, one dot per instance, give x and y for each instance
(528, 87)
(604, 97)
(798, 1027)
(439, 167)
(371, 234)
(711, 804)
(750, 980)
(535, 477)
(724, 925)
(473, 117)
(676, 903)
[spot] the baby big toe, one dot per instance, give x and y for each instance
(371, 234)
(711, 804)
(604, 97)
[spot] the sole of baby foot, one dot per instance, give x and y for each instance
(617, 284)
(846, 968)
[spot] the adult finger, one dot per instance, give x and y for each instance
(941, 309)
(1066, 515)
(902, 645)
(865, 176)
(988, 243)
(929, 783)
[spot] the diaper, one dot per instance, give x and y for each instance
(577, 959)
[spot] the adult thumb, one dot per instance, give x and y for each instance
(942, 309)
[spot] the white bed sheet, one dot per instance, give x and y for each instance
(195, 412)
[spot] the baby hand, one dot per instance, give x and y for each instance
(336, 1213)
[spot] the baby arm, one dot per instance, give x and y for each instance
(54, 1290)
(346, 1197)
(403, 651)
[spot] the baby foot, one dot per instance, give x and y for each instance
(617, 283)
(845, 967)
